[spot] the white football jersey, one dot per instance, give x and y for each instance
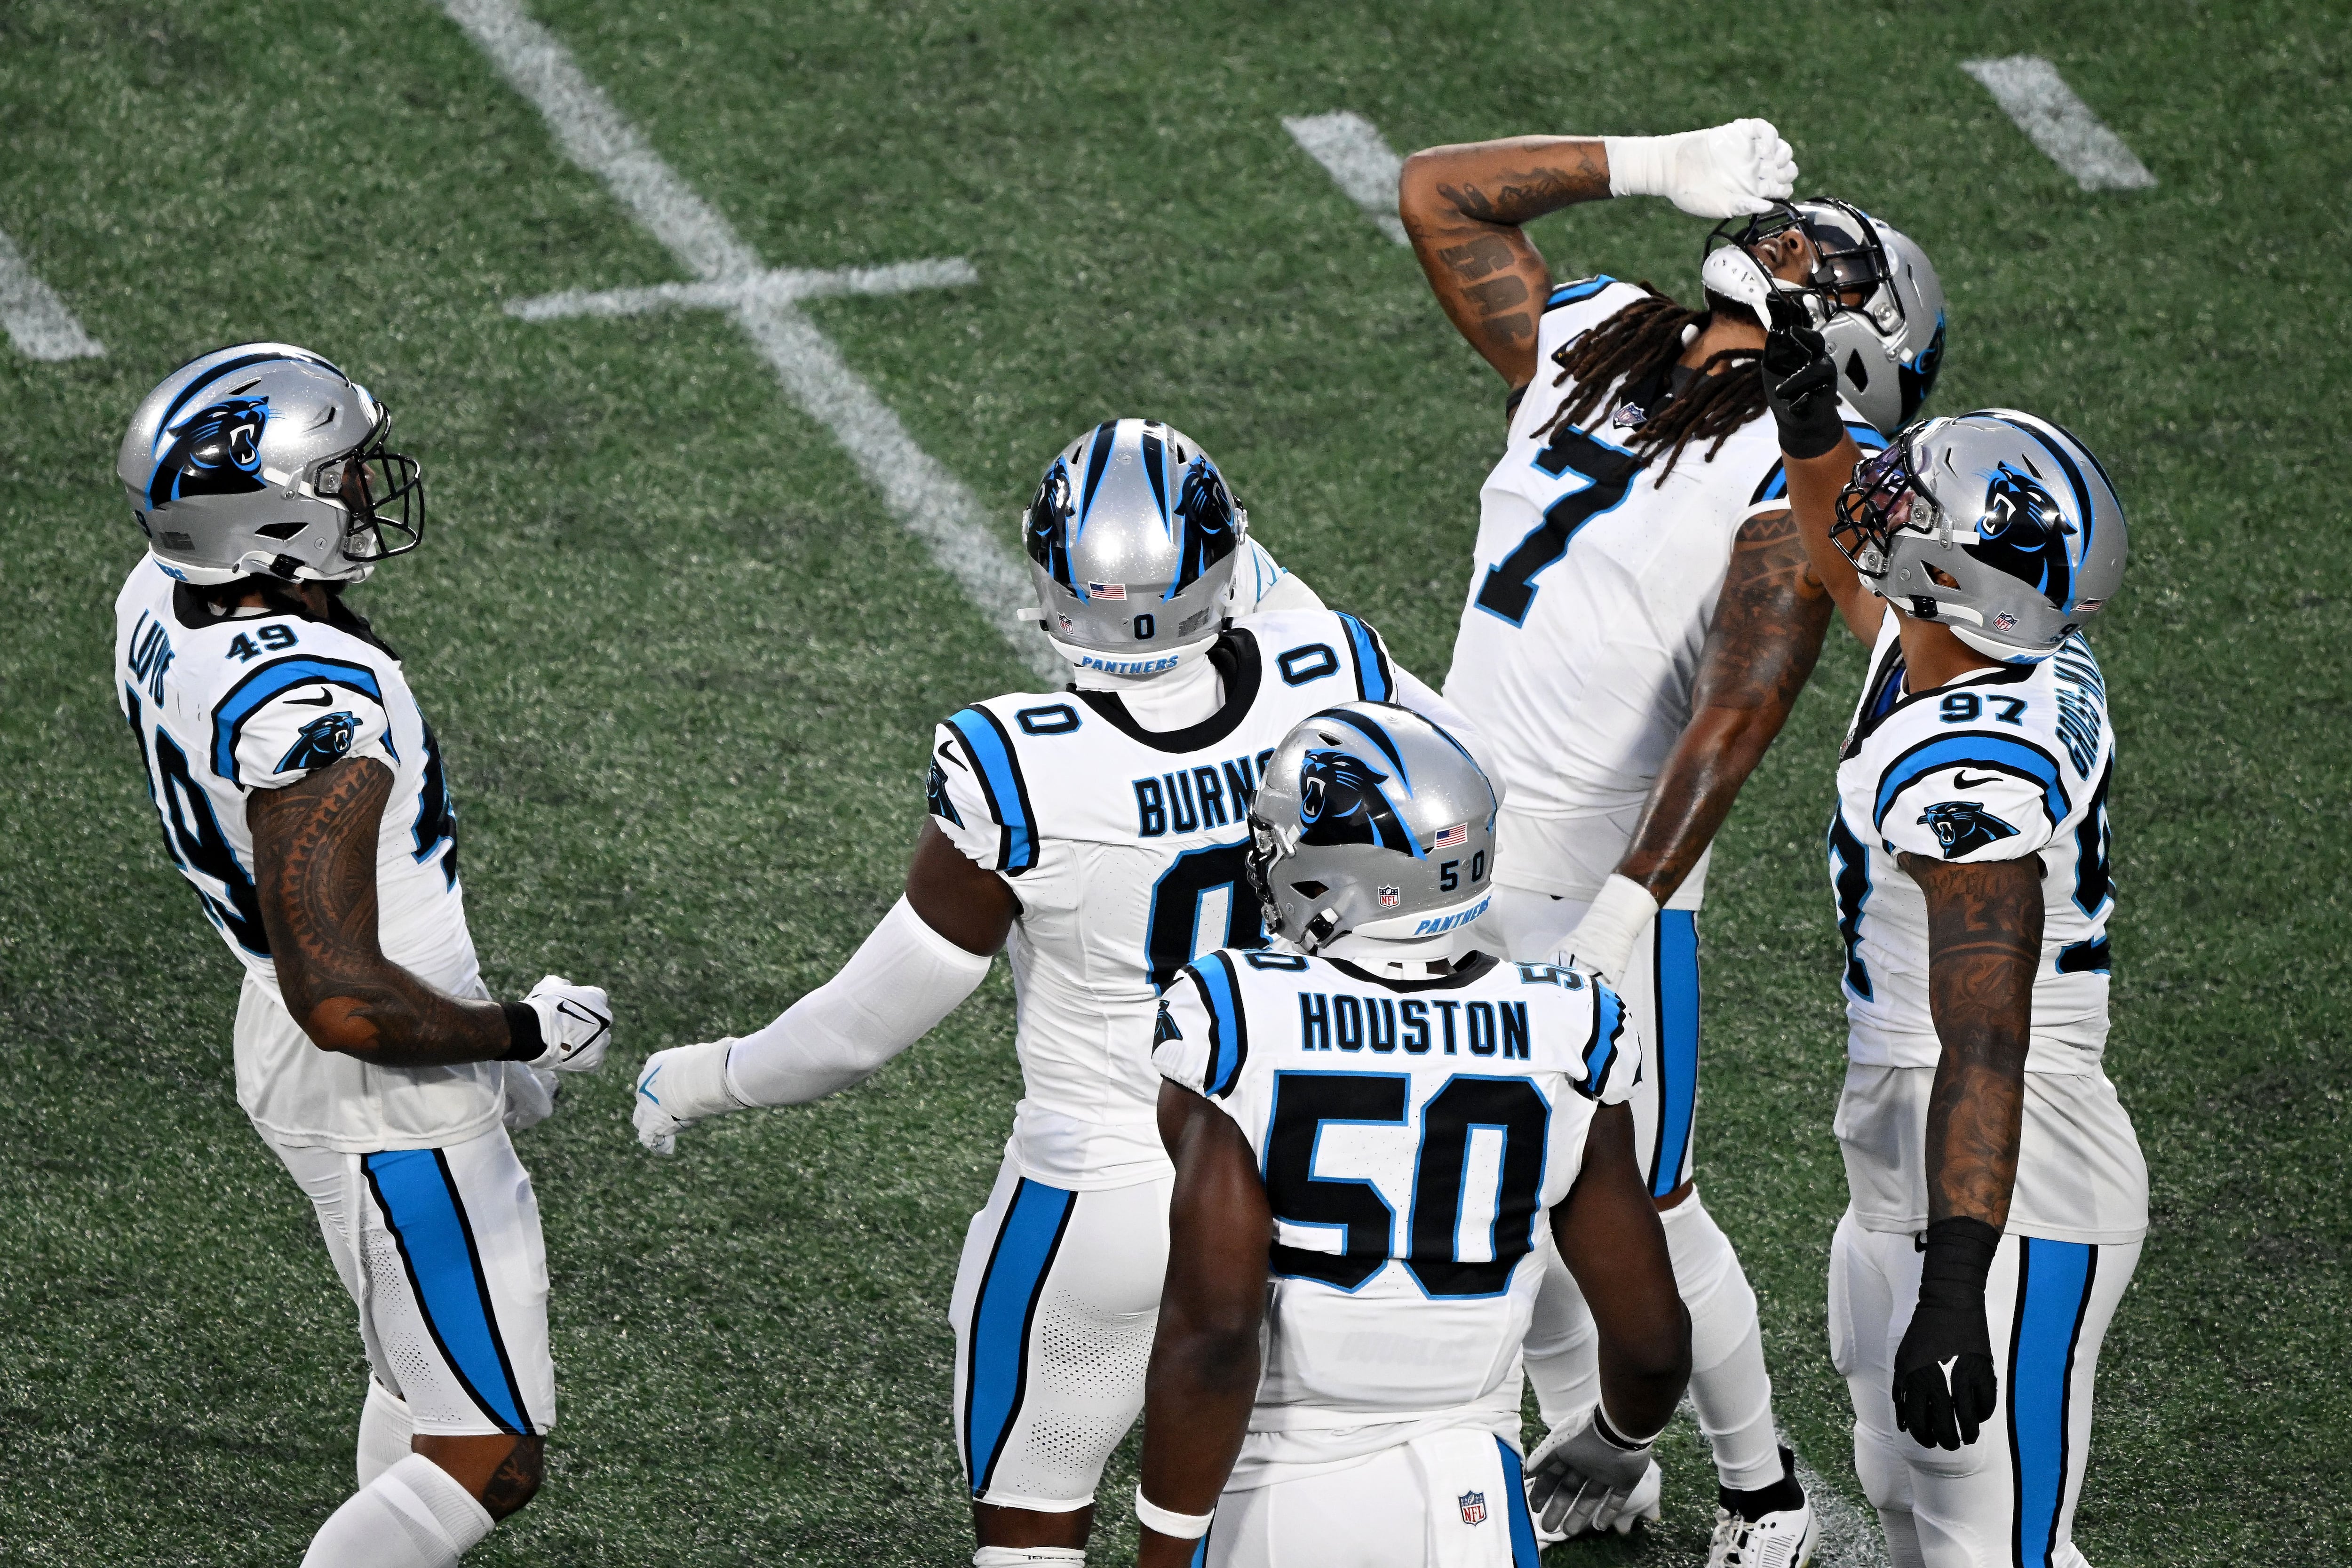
(221, 707)
(2000, 765)
(1124, 846)
(1411, 1136)
(1592, 588)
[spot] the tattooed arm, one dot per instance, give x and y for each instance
(1769, 624)
(1462, 206)
(1984, 940)
(314, 862)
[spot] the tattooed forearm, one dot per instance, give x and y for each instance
(1462, 207)
(1984, 940)
(314, 848)
(1769, 624)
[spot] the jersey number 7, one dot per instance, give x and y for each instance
(1509, 588)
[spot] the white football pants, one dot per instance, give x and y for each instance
(1450, 1499)
(2006, 1500)
(1056, 1302)
(440, 1250)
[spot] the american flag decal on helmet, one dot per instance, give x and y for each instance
(1105, 590)
(1453, 837)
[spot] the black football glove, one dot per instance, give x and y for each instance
(1799, 382)
(1944, 1385)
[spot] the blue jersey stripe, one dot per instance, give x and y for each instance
(275, 679)
(1582, 289)
(1372, 682)
(1999, 753)
(996, 1379)
(1601, 1052)
(1515, 1507)
(1228, 1036)
(421, 1208)
(2053, 1287)
(1000, 778)
(1677, 991)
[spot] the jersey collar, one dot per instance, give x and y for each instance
(1235, 656)
(1478, 967)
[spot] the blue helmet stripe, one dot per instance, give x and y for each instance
(1377, 736)
(1998, 754)
(990, 750)
(220, 373)
(272, 680)
(1106, 438)
(1155, 469)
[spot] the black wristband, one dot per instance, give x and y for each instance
(1613, 1437)
(1959, 1253)
(524, 1042)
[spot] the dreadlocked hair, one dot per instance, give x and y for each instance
(1639, 342)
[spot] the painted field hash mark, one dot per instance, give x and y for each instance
(2031, 91)
(1358, 159)
(928, 500)
(37, 320)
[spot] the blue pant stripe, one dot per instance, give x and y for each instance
(1515, 1501)
(1677, 1026)
(998, 1374)
(2053, 1287)
(1200, 1558)
(420, 1204)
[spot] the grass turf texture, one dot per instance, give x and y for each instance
(683, 665)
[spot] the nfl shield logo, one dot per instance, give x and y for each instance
(1391, 896)
(2004, 622)
(1473, 1508)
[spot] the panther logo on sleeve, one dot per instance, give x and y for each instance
(1340, 802)
(1965, 825)
(322, 741)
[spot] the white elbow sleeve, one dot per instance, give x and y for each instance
(904, 979)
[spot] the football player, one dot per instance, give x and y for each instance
(1997, 1197)
(1639, 622)
(1383, 1118)
(1099, 830)
(303, 795)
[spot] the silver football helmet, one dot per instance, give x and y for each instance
(1372, 829)
(1873, 297)
(264, 459)
(1998, 524)
(1132, 538)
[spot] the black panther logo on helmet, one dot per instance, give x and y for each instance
(1205, 507)
(322, 741)
(1046, 528)
(1340, 802)
(2024, 533)
(1963, 825)
(1918, 379)
(215, 451)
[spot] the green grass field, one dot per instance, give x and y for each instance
(683, 664)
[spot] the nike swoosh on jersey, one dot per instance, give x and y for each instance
(1961, 780)
(325, 697)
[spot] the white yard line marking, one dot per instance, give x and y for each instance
(781, 286)
(38, 321)
(1359, 158)
(2032, 92)
(929, 502)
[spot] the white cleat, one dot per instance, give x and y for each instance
(1641, 1503)
(1784, 1539)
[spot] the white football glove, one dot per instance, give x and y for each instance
(1582, 1479)
(1726, 171)
(1604, 938)
(679, 1087)
(575, 1022)
(531, 1096)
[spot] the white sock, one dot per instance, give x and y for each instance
(1729, 1383)
(1562, 1351)
(1902, 1529)
(384, 1432)
(1015, 1556)
(414, 1515)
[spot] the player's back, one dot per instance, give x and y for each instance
(221, 706)
(1593, 585)
(1124, 848)
(2004, 763)
(1411, 1136)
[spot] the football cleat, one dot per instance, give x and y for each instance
(1784, 1538)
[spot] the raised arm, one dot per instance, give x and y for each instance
(314, 845)
(1463, 206)
(1819, 457)
(1204, 1356)
(1984, 943)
